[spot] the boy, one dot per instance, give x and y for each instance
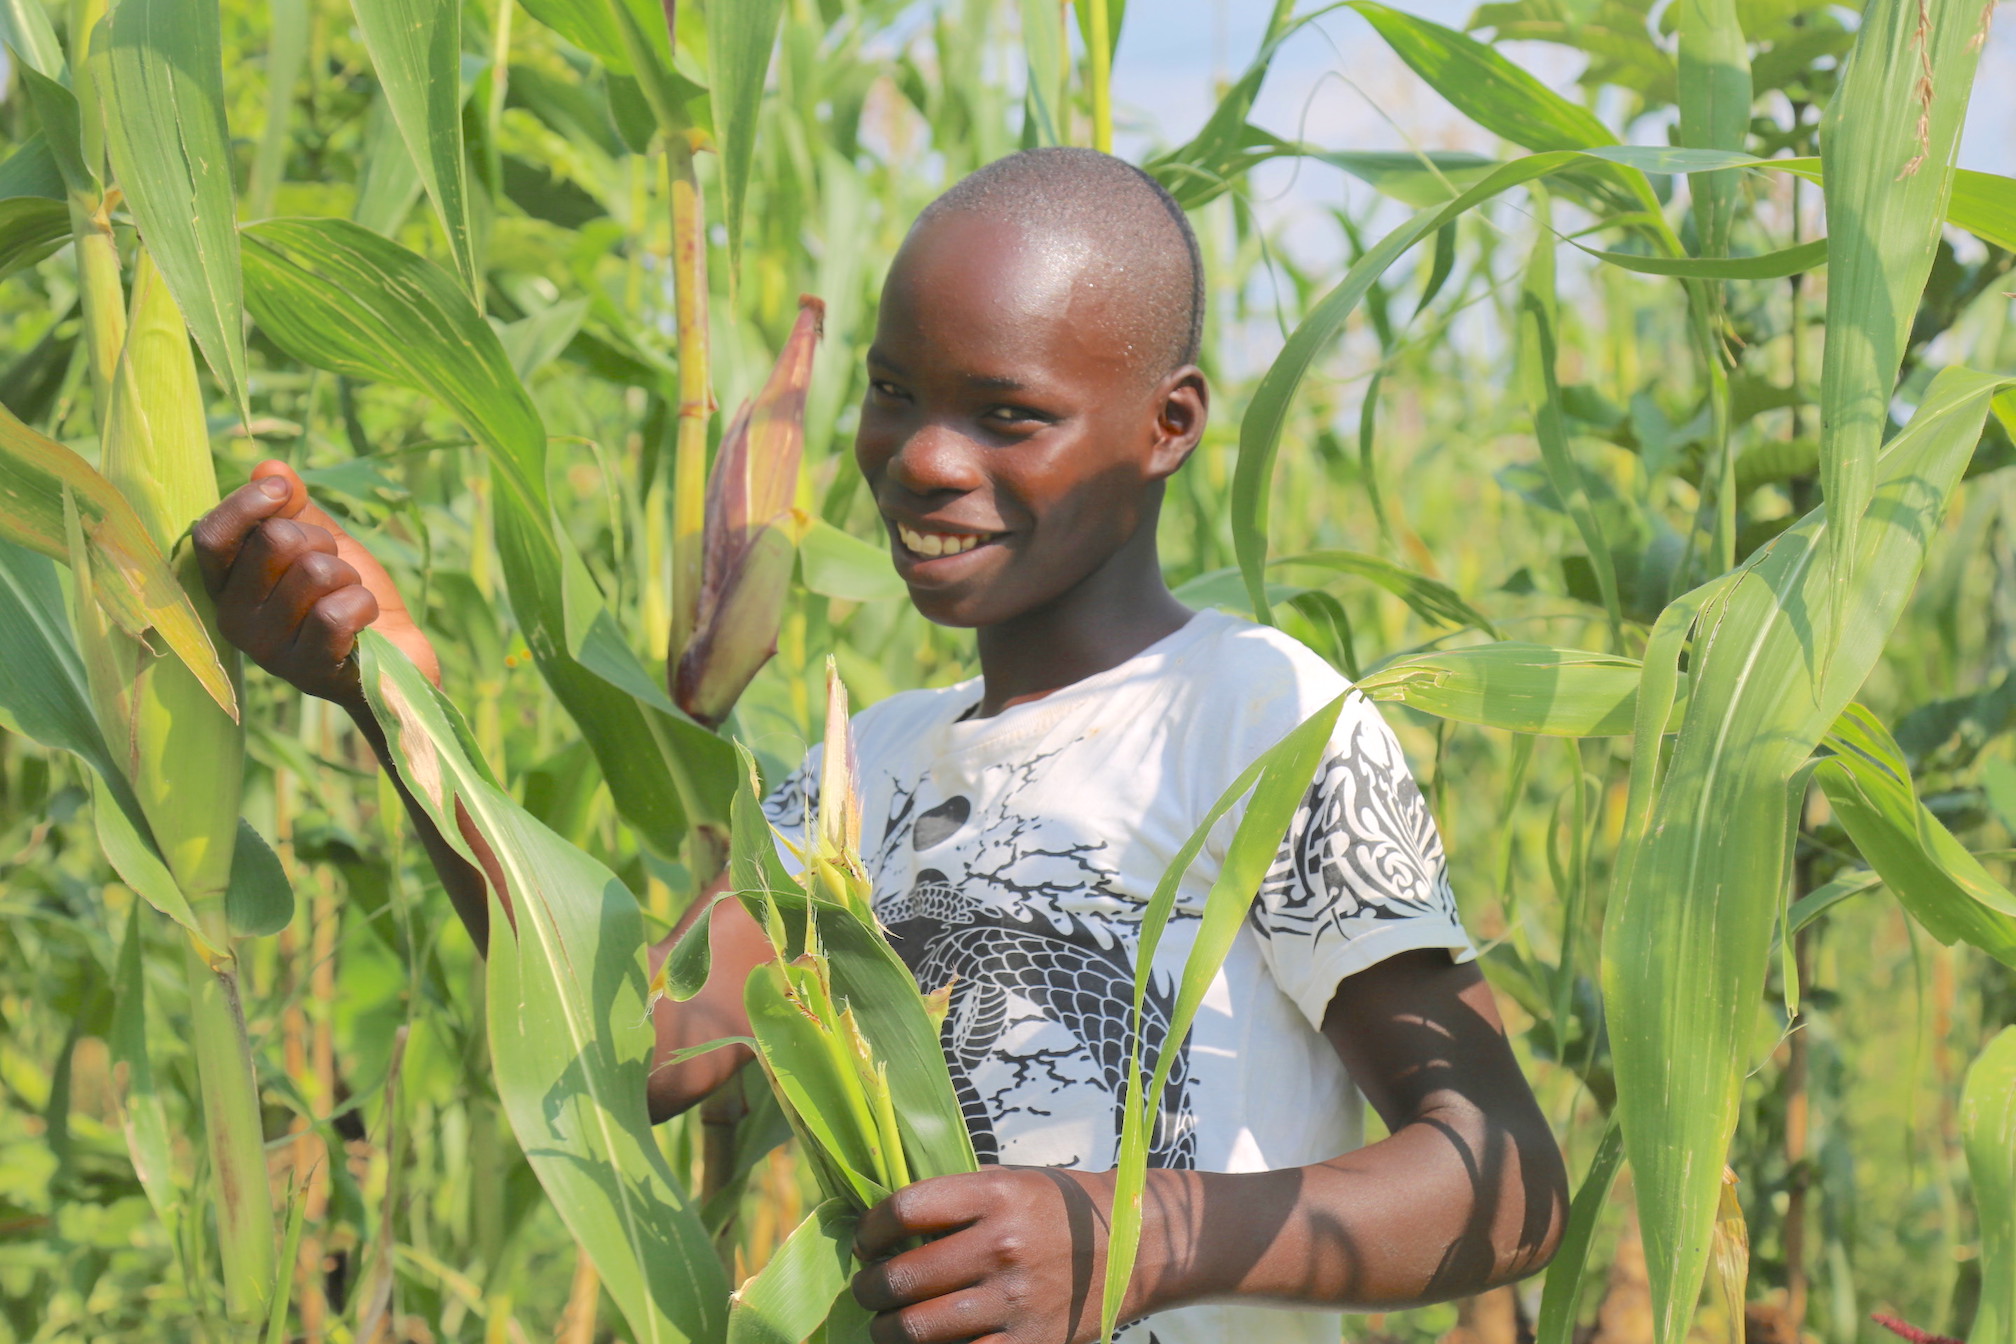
(1032, 387)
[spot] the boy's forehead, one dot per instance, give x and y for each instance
(982, 282)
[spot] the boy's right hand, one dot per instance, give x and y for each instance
(293, 589)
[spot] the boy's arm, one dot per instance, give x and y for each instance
(1468, 1191)
(292, 590)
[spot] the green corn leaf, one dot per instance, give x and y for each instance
(1689, 930)
(1428, 598)
(742, 36)
(1984, 204)
(162, 77)
(62, 121)
(135, 1097)
(1419, 180)
(31, 170)
(1204, 167)
(1277, 780)
(1945, 888)
(1484, 86)
(789, 1298)
(391, 184)
(1715, 97)
(1522, 688)
(1563, 1291)
(598, 28)
(1659, 688)
(1988, 1132)
(1887, 143)
(684, 971)
(344, 299)
(25, 33)
(1765, 266)
(136, 585)
(1828, 895)
(840, 565)
(804, 1057)
(416, 52)
(286, 57)
(570, 1041)
(44, 694)
(31, 228)
(283, 1273)
(260, 900)
(129, 847)
(1537, 361)
(1043, 51)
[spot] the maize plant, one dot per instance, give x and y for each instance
(1644, 448)
(158, 717)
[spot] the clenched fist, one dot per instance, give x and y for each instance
(1017, 1255)
(293, 589)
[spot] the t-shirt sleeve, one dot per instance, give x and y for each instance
(1361, 874)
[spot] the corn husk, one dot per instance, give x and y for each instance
(751, 534)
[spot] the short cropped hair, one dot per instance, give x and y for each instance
(1129, 230)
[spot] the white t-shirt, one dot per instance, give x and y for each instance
(1013, 857)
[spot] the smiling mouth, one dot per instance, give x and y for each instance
(931, 545)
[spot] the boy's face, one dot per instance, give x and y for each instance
(1013, 443)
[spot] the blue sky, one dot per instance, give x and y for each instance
(1335, 83)
(1171, 50)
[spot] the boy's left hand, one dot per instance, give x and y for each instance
(1019, 1255)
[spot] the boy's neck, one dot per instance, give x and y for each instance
(1111, 615)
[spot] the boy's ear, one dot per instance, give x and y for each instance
(1182, 409)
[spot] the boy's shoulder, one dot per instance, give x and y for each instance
(1216, 660)
(914, 710)
(1238, 667)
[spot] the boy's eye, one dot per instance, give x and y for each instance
(884, 388)
(1016, 416)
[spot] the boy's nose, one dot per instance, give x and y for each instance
(936, 460)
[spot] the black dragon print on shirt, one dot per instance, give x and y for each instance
(1042, 981)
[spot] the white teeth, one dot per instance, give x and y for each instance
(937, 543)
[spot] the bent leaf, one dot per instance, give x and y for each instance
(570, 1040)
(1944, 887)
(1484, 86)
(134, 582)
(1522, 688)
